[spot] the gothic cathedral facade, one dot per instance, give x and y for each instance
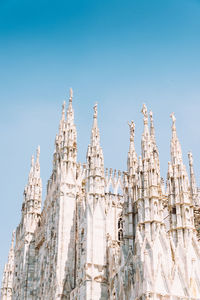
(103, 234)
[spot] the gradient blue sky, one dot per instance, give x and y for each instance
(118, 53)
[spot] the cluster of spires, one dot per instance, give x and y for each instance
(178, 183)
(144, 171)
(66, 150)
(65, 142)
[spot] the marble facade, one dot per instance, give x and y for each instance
(103, 234)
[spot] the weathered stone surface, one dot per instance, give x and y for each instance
(106, 234)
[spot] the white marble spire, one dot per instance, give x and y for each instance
(132, 161)
(176, 152)
(180, 199)
(33, 192)
(193, 185)
(70, 111)
(146, 142)
(7, 282)
(152, 129)
(62, 120)
(66, 141)
(95, 158)
(107, 236)
(95, 135)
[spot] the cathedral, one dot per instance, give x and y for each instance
(104, 234)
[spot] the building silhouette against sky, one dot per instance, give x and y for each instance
(105, 234)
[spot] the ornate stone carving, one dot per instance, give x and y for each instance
(107, 235)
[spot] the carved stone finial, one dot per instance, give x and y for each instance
(132, 129)
(95, 110)
(63, 106)
(145, 114)
(174, 135)
(38, 153)
(38, 150)
(172, 116)
(152, 130)
(190, 157)
(70, 94)
(63, 110)
(151, 115)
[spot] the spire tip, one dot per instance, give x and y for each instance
(132, 129)
(190, 157)
(70, 94)
(145, 114)
(95, 110)
(63, 110)
(38, 154)
(172, 116)
(32, 160)
(63, 106)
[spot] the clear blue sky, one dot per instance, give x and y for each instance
(119, 53)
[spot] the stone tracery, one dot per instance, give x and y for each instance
(107, 235)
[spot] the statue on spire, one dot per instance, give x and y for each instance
(95, 110)
(190, 157)
(145, 114)
(38, 154)
(172, 116)
(151, 115)
(132, 129)
(152, 130)
(70, 94)
(63, 110)
(70, 112)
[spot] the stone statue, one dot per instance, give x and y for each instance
(70, 93)
(173, 118)
(132, 129)
(151, 115)
(144, 112)
(95, 111)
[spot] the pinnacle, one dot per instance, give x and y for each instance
(151, 118)
(95, 152)
(70, 95)
(38, 154)
(152, 129)
(96, 218)
(95, 115)
(145, 114)
(132, 130)
(95, 137)
(70, 112)
(176, 152)
(63, 110)
(34, 173)
(95, 110)
(190, 157)
(132, 156)
(172, 116)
